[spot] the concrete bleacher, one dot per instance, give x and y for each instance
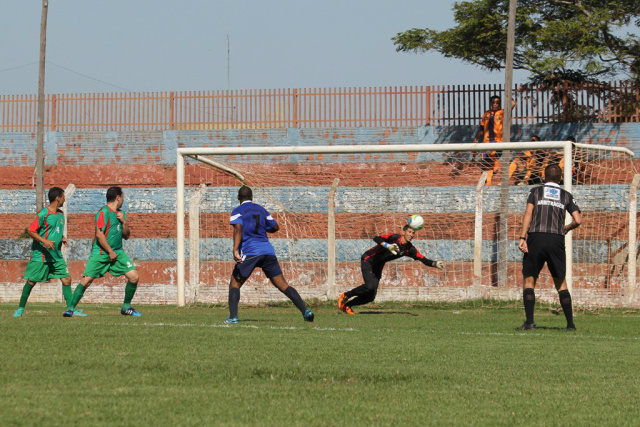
(143, 162)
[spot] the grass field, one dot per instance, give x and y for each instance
(391, 365)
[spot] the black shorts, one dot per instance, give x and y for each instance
(268, 263)
(371, 273)
(545, 247)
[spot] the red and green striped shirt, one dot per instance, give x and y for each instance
(49, 225)
(108, 222)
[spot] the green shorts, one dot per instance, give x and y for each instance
(98, 265)
(42, 271)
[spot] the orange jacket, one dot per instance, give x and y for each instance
(485, 124)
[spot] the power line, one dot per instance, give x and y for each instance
(19, 66)
(89, 77)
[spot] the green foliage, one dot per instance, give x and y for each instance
(566, 91)
(435, 364)
(556, 38)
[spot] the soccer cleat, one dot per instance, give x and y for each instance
(232, 320)
(74, 313)
(18, 312)
(308, 316)
(526, 327)
(342, 300)
(571, 327)
(130, 312)
(348, 310)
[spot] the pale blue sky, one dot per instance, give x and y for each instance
(146, 45)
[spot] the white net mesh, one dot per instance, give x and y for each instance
(375, 193)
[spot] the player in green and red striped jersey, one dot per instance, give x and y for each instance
(107, 254)
(46, 262)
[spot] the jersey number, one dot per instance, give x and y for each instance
(256, 218)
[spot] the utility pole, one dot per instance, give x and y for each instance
(228, 63)
(503, 255)
(40, 147)
(232, 105)
(508, 70)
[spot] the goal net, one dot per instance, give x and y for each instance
(330, 201)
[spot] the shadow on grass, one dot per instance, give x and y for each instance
(544, 328)
(552, 328)
(406, 313)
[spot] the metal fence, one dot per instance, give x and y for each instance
(397, 106)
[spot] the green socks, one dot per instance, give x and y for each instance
(68, 295)
(26, 291)
(129, 292)
(66, 292)
(77, 296)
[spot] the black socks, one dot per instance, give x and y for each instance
(234, 299)
(294, 296)
(565, 303)
(529, 298)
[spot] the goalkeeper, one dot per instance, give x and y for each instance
(388, 247)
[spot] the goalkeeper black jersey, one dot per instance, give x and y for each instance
(379, 255)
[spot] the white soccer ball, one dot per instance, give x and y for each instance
(415, 222)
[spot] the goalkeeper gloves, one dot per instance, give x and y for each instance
(393, 248)
(439, 265)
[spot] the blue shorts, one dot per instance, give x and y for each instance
(268, 263)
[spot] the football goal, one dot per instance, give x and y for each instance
(330, 201)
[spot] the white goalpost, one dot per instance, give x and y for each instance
(332, 200)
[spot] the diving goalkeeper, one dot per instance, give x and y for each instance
(388, 247)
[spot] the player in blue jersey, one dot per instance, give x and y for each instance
(251, 248)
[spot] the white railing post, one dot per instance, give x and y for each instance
(194, 242)
(180, 258)
(331, 241)
(632, 286)
(68, 194)
(568, 239)
(477, 239)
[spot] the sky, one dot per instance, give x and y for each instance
(145, 45)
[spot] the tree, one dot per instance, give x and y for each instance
(556, 40)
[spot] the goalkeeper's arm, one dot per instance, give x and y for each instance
(431, 263)
(426, 261)
(383, 241)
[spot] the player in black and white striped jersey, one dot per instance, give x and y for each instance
(542, 240)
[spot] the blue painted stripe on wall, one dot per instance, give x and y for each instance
(308, 249)
(132, 147)
(314, 199)
(79, 249)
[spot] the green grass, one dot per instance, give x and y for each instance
(391, 365)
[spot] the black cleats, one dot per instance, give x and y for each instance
(526, 327)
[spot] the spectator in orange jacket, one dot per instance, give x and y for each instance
(490, 130)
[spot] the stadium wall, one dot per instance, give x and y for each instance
(143, 162)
